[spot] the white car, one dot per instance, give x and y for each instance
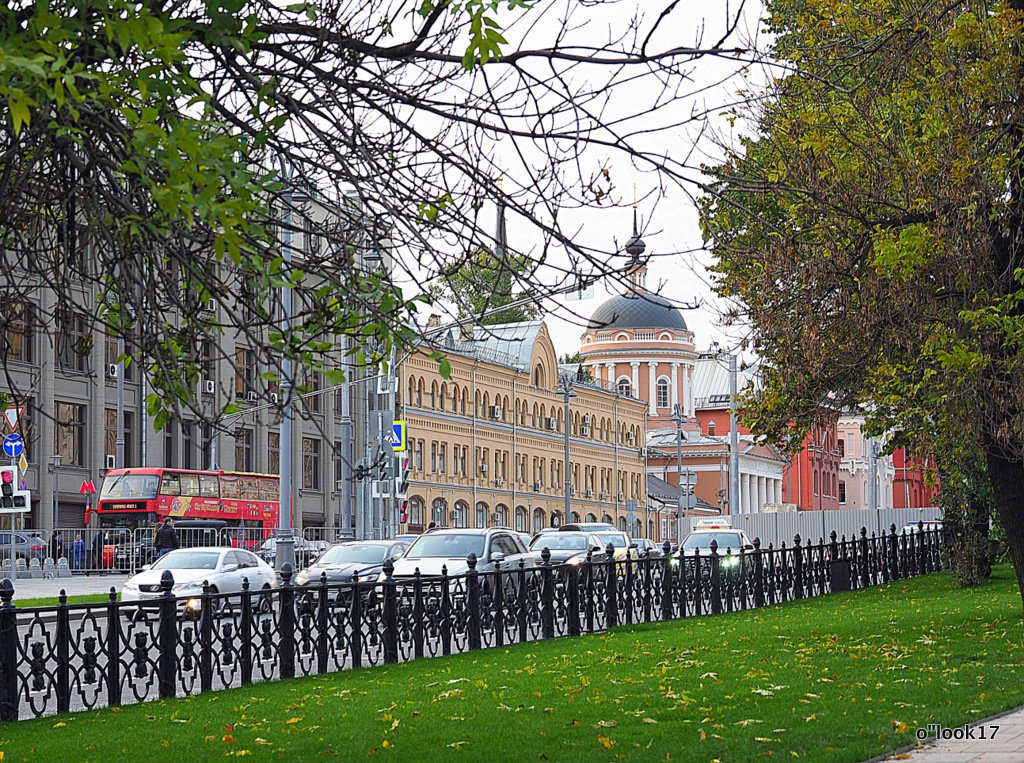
(223, 568)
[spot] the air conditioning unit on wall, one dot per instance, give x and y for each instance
(111, 461)
(209, 386)
(112, 370)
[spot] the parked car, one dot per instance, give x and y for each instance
(449, 547)
(342, 560)
(131, 554)
(912, 528)
(570, 547)
(25, 546)
(729, 542)
(590, 527)
(224, 568)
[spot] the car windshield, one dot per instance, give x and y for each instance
(725, 540)
(560, 542)
(357, 553)
(128, 485)
(446, 545)
(187, 560)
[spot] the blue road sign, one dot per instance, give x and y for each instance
(13, 445)
(398, 441)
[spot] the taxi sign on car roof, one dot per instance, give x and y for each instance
(716, 523)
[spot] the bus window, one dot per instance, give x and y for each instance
(230, 487)
(171, 485)
(209, 486)
(250, 488)
(269, 490)
(190, 484)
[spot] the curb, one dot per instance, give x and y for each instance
(929, 743)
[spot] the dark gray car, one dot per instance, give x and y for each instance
(341, 561)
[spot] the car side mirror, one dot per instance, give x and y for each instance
(397, 555)
(497, 556)
(230, 567)
(634, 545)
(596, 549)
(145, 567)
(748, 546)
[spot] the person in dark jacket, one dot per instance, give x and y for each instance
(98, 541)
(166, 538)
(78, 553)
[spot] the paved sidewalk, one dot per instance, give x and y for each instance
(76, 585)
(996, 740)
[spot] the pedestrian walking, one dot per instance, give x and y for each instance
(78, 552)
(56, 546)
(166, 538)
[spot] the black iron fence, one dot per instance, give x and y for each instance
(83, 656)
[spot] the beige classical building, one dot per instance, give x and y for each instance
(487, 445)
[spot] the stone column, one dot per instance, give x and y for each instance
(652, 386)
(687, 391)
(675, 386)
(610, 373)
(636, 378)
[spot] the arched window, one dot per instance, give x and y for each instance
(439, 513)
(575, 517)
(516, 420)
(455, 398)
(607, 519)
(533, 422)
(412, 391)
(622, 524)
(538, 519)
(575, 424)
(711, 428)
(459, 514)
(481, 514)
(522, 524)
(650, 529)
(476, 404)
(444, 395)
(433, 395)
(465, 394)
(591, 518)
(815, 483)
(419, 393)
(504, 408)
(624, 386)
(416, 510)
(501, 515)
(664, 386)
(556, 519)
(487, 405)
(538, 376)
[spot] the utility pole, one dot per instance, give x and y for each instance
(734, 456)
(285, 541)
(678, 417)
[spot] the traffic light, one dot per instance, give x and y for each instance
(12, 499)
(402, 478)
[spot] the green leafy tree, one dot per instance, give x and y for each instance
(160, 158)
(484, 282)
(870, 229)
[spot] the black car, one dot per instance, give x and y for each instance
(341, 561)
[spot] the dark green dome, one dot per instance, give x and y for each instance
(637, 311)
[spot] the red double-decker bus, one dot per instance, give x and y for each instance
(141, 497)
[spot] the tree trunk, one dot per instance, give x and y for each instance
(1007, 478)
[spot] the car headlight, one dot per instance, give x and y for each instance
(576, 560)
(301, 579)
(731, 561)
(191, 586)
(130, 587)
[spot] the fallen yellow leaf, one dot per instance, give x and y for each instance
(606, 742)
(293, 720)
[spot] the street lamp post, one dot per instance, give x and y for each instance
(566, 390)
(285, 551)
(678, 417)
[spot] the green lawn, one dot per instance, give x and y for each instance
(53, 601)
(843, 677)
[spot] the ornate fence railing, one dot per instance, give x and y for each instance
(83, 656)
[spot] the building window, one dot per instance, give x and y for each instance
(663, 392)
(419, 456)
(169, 449)
(274, 452)
(842, 490)
(111, 355)
(841, 444)
(439, 512)
(624, 386)
(70, 433)
(538, 520)
(433, 458)
(243, 450)
(481, 514)
(440, 459)
(72, 346)
(110, 435)
(501, 515)
(16, 327)
(314, 383)
(416, 511)
(207, 445)
(187, 444)
(245, 371)
(310, 463)
(459, 514)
